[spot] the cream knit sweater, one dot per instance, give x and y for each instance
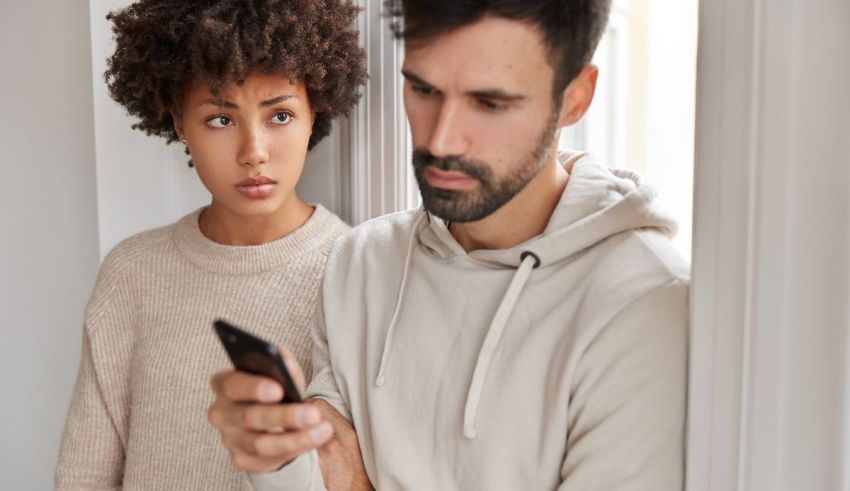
(137, 418)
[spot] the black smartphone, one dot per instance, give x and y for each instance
(256, 356)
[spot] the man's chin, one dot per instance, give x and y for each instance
(450, 212)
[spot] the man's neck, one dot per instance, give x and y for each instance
(522, 218)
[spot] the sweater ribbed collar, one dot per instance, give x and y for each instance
(319, 230)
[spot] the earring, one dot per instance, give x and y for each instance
(183, 141)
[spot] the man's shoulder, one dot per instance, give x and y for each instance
(377, 236)
(632, 264)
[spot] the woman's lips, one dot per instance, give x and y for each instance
(452, 180)
(257, 187)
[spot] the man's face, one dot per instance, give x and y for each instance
(480, 104)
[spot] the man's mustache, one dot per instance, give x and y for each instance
(424, 158)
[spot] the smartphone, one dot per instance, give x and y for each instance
(256, 356)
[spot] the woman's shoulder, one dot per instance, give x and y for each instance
(137, 247)
(127, 260)
(329, 226)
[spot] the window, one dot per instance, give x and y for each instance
(642, 117)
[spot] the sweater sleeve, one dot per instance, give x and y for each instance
(94, 443)
(628, 401)
(91, 455)
(304, 473)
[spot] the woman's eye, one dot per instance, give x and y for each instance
(281, 118)
(219, 122)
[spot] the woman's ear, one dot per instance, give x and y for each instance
(178, 124)
(578, 95)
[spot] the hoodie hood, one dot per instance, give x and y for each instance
(597, 203)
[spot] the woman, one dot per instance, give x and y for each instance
(248, 87)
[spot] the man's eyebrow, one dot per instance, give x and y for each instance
(411, 77)
(497, 94)
(231, 105)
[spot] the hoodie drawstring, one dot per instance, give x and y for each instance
(379, 381)
(491, 341)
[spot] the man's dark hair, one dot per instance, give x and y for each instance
(163, 46)
(571, 28)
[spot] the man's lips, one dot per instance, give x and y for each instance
(257, 187)
(446, 179)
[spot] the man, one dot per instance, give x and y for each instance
(528, 328)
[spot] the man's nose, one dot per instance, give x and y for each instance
(449, 136)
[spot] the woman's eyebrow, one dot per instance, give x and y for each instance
(232, 105)
(218, 102)
(277, 100)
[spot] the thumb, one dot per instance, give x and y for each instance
(294, 368)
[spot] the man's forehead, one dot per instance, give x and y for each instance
(492, 52)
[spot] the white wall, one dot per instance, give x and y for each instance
(48, 224)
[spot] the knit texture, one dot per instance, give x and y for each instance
(138, 416)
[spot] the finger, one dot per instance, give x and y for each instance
(283, 447)
(343, 430)
(294, 443)
(244, 387)
(294, 368)
(255, 465)
(263, 417)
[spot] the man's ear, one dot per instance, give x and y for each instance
(578, 95)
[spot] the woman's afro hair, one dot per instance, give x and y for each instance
(164, 46)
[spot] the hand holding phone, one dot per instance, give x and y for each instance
(258, 357)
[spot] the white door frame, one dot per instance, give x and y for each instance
(770, 350)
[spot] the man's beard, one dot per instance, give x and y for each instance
(491, 194)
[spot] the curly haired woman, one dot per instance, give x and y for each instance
(248, 86)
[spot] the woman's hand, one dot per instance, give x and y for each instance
(261, 434)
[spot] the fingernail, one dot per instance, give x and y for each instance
(270, 392)
(309, 416)
(321, 433)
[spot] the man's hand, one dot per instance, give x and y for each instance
(261, 434)
(340, 458)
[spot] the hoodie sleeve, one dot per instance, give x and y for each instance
(627, 410)
(323, 382)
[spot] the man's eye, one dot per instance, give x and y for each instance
(219, 121)
(282, 117)
(421, 89)
(491, 106)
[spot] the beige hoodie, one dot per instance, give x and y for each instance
(557, 364)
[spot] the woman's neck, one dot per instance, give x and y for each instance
(227, 228)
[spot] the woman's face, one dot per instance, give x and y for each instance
(249, 143)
